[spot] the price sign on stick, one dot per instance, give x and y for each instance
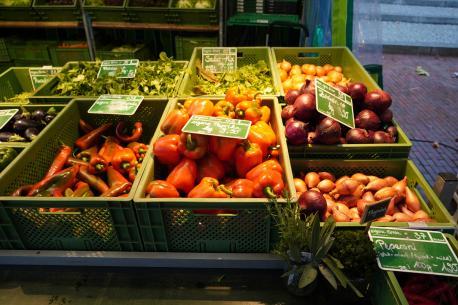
(375, 210)
(414, 251)
(6, 115)
(116, 104)
(216, 126)
(39, 76)
(219, 60)
(126, 68)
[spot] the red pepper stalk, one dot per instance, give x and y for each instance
(55, 186)
(135, 134)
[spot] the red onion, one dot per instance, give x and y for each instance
(357, 91)
(308, 87)
(341, 88)
(311, 137)
(383, 137)
(305, 107)
(377, 100)
(296, 132)
(313, 202)
(291, 96)
(288, 112)
(393, 131)
(342, 140)
(328, 131)
(358, 136)
(386, 116)
(367, 119)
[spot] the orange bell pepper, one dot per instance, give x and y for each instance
(237, 94)
(123, 160)
(109, 148)
(175, 121)
(209, 188)
(165, 149)
(223, 148)
(241, 188)
(271, 164)
(193, 146)
(247, 156)
(269, 183)
(262, 134)
(183, 175)
(201, 107)
(265, 114)
(210, 166)
(161, 189)
(224, 109)
(248, 110)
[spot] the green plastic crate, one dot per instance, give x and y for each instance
(4, 57)
(140, 52)
(184, 46)
(49, 12)
(106, 12)
(245, 56)
(176, 225)
(18, 13)
(33, 51)
(397, 168)
(147, 14)
(192, 15)
(5, 66)
(45, 91)
(60, 56)
(262, 20)
(14, 81)
(30, 108)
(105, 224)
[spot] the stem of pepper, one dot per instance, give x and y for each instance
(225, 190)
(269, 192)
(125, 165)
(190, 144)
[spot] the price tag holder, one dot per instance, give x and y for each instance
(216, 126)
(334, 103)
(125, 68)
(6, 115)
(116, 104)
(39, 76)
(416, 251)
(219, 60)
(375, 210)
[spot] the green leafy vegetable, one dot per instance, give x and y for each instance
(21, 98)
(151, 79)
(15, 2)
(255, 76)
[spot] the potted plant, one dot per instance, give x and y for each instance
(305, 247)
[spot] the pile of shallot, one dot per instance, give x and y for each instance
(346, 197)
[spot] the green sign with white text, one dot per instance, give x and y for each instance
(39, 76)
(216, 126)
(6, 115)
(219, 60)
(416, 251)
(116, 104)
(124, 68)
(334, 103)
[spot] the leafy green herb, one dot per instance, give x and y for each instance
(21, 98)
(151, 79)
(255, 76)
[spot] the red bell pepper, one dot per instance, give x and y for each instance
(91, 138)
(59, 161)
(139, 149)
(269, 183)
(223, 148)
(109, 148)
(271, 164)
(161, 189)
(183, 175)
(127, 135)
(241, 188)
(247, 156)
(165, 149)
(175, 121)
(123, 160)
(210, 166)
(193, 146)
(200, 107)
(209, 188)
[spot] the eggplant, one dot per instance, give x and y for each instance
(23, 124)
(6, 136)
(38, 115)
(48, 118)
(31, 133)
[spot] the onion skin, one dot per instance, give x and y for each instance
(412, 201)
(421, 215)
(288, 112)
(357, 91)
(349, 200)
(386, 116)
(326, 186)
(354, 214)
(377, 100)
(328, 131)
(361, 178)
(341, 212)
(312, 202)
(296, 132)
(299, 185)
(291, 96)
(327, 175)
(358, 136)
(305, 107)
(368, 119)
(329, 202)
(342, 179)
(311, 179)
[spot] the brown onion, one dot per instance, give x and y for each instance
(400, 186)
(367, 196)
(358, 136)
(348, 200)
(361, 178)
(346, 187)
(358, 193)
(390, 180)
(299, 185)
(376, 185)
(328, 131)
(311, 179)
(367, 119)
(401, 217)
(377, 100)
(326, 186)
(421, 215)
(386, 218)
(341, 212)
(313, 202)
(385, 192)
(361, 205)
(342, 179)
(412, 201)
(326, 175)
(354, 213)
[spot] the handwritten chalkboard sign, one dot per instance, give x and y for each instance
(219, 60)
(416, 251)
(375, 210)
(116, 104)
(124, 68)
(217, 126)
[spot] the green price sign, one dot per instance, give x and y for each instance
(125, 68)
(219, 60)
(6, 115)
(334, 103)
(39, 76)
(375, 210)
(416, 251)
(215, 126)
(116, 104)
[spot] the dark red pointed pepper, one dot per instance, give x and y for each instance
(118, 184)
(96, 183)
(210, 166)
(91, 138)
(59, 161)
(126, 134)
(85, 127)
(55, 185)
(183, 175)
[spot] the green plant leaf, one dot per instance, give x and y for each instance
(308, 276)
(328, 275)
(337, 262)
(355, 290)
(323, 250)
(327, 230)
(314, 235)
(336, 271)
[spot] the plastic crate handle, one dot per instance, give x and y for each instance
(59, 213)
(216, 212)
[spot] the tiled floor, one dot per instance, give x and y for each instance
(426, 108)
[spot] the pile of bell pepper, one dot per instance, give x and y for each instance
(103, 162)
(200, 166)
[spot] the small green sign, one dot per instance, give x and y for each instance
(116, 104)
(375, 210)
(39, 76)
(416, 251)
(6, 115)
(334, 103)
(125, 68)
(219, 60)
(216, 126)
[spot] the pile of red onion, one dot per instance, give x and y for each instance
(373, 118)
